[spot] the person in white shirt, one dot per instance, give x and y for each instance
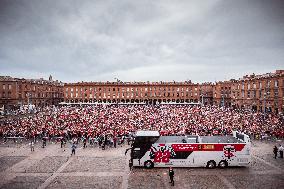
(32, 145)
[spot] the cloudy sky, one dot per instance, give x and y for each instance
(135, 40)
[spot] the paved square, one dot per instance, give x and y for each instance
(25, 182)
(52, 167)
(86, 182)
(47, 164)
(96, 164)
(8, 161)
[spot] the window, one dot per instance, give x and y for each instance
(9, 87)
(4, 87)
(260, 85)
(248, 85)
(254, 94)
(268, 84)
(276, 92)
(276, 83)
(268, 93)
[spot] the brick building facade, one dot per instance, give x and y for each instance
(259, 92)
(117, 92)
(15, 92)
(222, 93)
(255, 92)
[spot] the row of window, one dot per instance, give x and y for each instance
(132, 94)
(42, 95)
(6, 95)
(267, 84)
(9, 87)
(253, 94)
(104, 89)
(6, 86)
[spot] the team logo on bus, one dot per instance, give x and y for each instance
(229, 151)
(162, 153)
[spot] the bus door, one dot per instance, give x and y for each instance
(136, 156)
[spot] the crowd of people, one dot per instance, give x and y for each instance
(100, 121)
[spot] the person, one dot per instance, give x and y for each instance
(114, 141)
(85, 143)
(281, 151)
(62, 142)
(130, 164)
(32, 145)
(73, 147)
(104, 143)
(275, 150)
(171, 174)
(43, 142)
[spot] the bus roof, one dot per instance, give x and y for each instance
(147, 133)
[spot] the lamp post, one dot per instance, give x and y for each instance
(28, 95)
(223, 100)
(202, 99)
(264, 102)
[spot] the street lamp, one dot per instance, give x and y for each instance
(28, 95)
(223, 100)
(264, 102)
(202, 100)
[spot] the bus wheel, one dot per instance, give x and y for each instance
(211, 164)
(223, 164)
(148, 164)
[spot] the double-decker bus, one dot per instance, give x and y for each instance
(149, 149)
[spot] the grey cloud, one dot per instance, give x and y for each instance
(141, 40)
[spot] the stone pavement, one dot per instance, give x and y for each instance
(51, 167)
